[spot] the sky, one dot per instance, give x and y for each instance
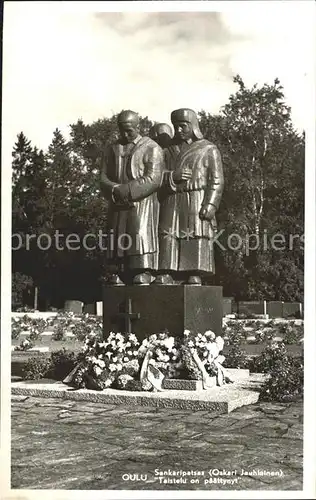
(68, 61)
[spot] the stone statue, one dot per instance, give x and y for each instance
(162, 134)
(131, 173)
(190, 195)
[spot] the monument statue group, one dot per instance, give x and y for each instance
(163, 191)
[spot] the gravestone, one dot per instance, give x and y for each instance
(252, 307)
(74, 306)
(275, 309)
(292, 310)
(174, 308)
(90, 309)
(227, 305)
(99, 308)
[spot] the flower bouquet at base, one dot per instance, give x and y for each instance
(201, 358)
(102, 362)
(160, 358)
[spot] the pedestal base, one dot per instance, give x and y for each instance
(145, 310)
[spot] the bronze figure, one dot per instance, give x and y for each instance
(131, 174)
(190, 195)
(162, 134)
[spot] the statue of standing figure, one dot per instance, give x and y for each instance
(162, 134)
(190, 194)
(131, 173)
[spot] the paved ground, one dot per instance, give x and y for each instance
(78, 445)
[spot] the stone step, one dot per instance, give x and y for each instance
(218, 400)
(196, 385)
(185, 385)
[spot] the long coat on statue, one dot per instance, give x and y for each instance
(185, 239)
(140, 165)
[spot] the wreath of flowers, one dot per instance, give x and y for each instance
(103, 363)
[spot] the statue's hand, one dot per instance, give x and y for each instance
(181, 175)
(207, 212)
(121, 193)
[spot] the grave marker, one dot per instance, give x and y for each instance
(74, 306)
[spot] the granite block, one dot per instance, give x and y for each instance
(155, 309)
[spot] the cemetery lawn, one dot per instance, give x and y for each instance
(60, 444)
(75, 345)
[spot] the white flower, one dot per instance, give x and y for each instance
(210, 334)
(212, 351)
(107, 382)
(128, 344)
(130, 353)
(219, 342)
(186, 332)
(103, 344)
(190, 343)
(169, 343)
(114, 359)
(119, 367)
(101, 363)
(97, 370)
(125, 359)
(94, 360)
(112, 367)
(134, 353)
(108, 354)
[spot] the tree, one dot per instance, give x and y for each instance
(263, 159)
(21, 286)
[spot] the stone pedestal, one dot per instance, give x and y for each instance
(144, 310)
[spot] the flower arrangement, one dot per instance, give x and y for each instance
(201, 357)
(102, 362)
(165, 353)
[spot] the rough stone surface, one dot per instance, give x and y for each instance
(196, 385)
(218, 399)
(184, 385)
(72, 445)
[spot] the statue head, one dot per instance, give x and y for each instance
(162, 134)
(186, 124)
(128, 124)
